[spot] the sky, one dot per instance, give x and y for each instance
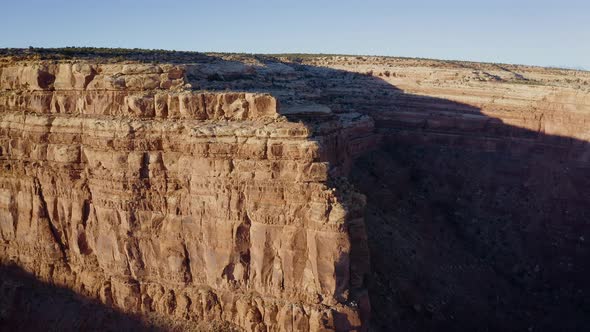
(535, 32)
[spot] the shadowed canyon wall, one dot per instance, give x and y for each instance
(237, 189)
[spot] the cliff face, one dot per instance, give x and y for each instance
(200, 206)
(237, 189)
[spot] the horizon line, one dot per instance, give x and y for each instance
(90, 48)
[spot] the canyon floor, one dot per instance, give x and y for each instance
(161, 190)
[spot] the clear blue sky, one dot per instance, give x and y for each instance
(537, 32)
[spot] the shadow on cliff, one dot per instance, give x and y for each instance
(477, 225)
(472, 224)
(27, 304)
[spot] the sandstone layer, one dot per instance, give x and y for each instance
(197, 205)
(237, 189)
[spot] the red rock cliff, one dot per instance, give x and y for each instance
(118, 183)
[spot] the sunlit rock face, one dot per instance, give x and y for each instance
(251, 190)
(122, 184)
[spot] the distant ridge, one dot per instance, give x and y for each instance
(569, 67)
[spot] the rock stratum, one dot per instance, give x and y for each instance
(292, 193)
(197, 205)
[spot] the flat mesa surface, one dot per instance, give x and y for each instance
(293, 192)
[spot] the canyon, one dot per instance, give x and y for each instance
(190, 191)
